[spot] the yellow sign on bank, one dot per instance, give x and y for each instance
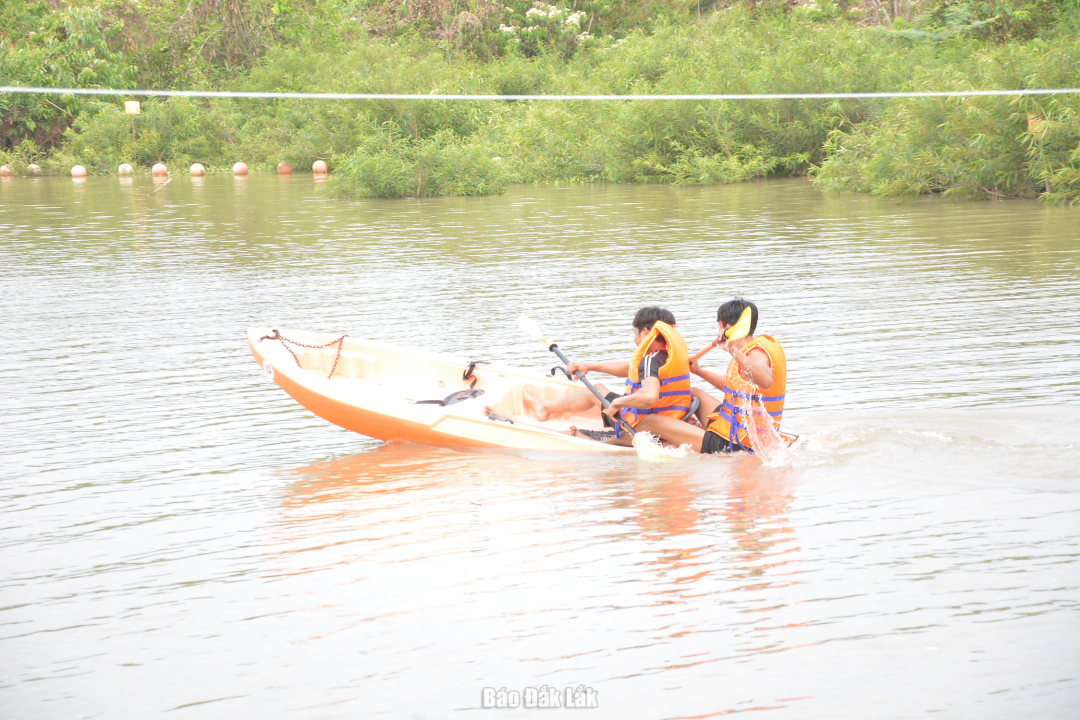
(131, 107)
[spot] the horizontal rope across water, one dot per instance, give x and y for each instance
(433, 96)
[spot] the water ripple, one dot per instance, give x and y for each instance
(178, 536)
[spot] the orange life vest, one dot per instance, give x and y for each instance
(674, 376)
(741, 397)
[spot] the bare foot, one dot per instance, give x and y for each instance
(535, 405)
(492, 415)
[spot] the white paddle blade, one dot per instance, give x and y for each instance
(530, 328)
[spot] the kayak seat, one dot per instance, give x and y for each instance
(694, 405)
(453, 398)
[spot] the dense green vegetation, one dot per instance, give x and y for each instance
(970, 147)
(977, 147)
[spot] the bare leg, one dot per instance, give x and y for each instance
(576, 402)
(708, 405)
(673, 431)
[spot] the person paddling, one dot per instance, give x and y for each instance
(657, 379)
(753, 387)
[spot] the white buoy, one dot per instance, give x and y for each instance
(125, 169)
(319, 167)
(239, 169)
(33, 169)
(78, 171)
(197, 170)
(284, 168)
(159, 169)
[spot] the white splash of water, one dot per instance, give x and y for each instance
(770, 446)
(650, 449)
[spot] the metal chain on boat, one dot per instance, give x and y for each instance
(340, 342)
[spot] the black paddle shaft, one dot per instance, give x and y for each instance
(581, 376)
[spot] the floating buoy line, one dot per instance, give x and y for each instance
(240, 169)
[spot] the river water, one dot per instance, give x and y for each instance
(178, 536)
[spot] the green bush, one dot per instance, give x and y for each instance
(45, 47)
(704, 142)
(389, 167)
(995, 20)
(177, 131)
(971, 147)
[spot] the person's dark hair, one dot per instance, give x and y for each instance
(730, 311)
(647, 316)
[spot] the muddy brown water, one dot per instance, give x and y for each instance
(177, 536)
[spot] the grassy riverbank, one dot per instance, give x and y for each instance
(978, 147)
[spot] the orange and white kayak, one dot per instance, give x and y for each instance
(401, 394)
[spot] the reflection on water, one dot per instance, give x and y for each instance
(755, 513)
(179, 536)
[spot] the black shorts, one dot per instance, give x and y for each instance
(713, 444)
(610, 397)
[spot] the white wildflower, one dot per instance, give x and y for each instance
(543, 10)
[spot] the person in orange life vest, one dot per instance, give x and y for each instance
(756, 373)
(658, 378)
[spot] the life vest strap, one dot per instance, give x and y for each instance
(753, 396)
(650, 411)
(755, 413)
(665, 381)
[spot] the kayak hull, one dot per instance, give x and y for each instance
(377, 390)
